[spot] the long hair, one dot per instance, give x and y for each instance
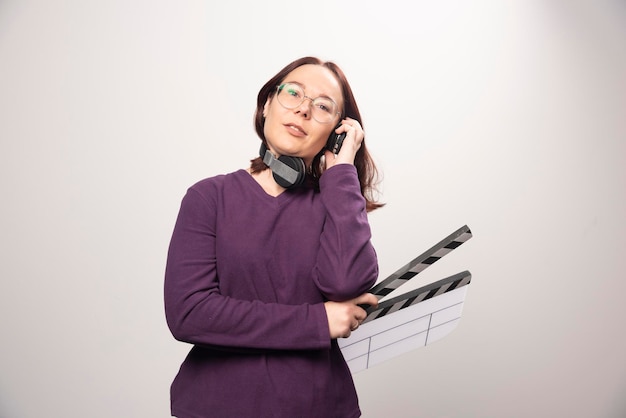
(366, 169)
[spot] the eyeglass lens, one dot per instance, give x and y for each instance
(291, 96)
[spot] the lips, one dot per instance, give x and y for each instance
(295, 129)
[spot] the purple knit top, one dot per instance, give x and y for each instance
(246, 278)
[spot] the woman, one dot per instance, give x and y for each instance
(264, 274)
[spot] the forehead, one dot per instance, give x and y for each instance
(317, 81)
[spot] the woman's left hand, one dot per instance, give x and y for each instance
(351, 143)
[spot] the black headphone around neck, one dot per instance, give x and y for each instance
(287, 171)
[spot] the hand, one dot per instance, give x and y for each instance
(351, 143)
(345, 317)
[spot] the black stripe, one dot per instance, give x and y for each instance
(432, 293)
(453, 245)
(385, 291)
(453, 285)
(408, 302)
(407, 275)
(384, 312)
(431, 260)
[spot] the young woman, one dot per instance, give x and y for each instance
(267, 266)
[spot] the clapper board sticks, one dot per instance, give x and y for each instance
(411, 320)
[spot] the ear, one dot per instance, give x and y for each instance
(266, 106)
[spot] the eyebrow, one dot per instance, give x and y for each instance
(304, 88)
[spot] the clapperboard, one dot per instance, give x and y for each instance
(411, 320)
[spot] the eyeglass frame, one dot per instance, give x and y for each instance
(279, 87)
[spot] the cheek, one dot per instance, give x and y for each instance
(269, 123)
(320, 142)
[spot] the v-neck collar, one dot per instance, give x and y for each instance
(282, 198)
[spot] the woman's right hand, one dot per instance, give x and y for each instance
(345, 317)
(351, 144)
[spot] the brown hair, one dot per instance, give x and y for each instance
(366, 169)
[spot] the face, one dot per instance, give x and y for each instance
(294, 132)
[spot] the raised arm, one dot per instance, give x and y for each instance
(347, 265)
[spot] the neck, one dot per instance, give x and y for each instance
(267, 182)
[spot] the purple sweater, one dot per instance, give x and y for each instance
(246, 278)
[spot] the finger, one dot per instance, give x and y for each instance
(349, 124)
(352, 122)
(360, 315)
(367, 299)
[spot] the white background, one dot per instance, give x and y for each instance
(507, 116)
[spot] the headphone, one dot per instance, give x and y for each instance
(288, 171)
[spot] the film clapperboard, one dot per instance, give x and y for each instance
(411, 320)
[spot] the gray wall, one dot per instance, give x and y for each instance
(506, 116)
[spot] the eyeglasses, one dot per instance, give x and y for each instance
(291, 95)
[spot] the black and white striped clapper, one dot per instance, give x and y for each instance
(411, 320)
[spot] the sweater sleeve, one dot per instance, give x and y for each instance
(347, 265)
(196, 311)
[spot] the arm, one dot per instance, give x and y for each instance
(347, 265)
(198, 313)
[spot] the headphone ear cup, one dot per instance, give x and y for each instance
(287, 171)
(297, 164)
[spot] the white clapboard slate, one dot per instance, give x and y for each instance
(411, 320)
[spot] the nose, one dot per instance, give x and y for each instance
(305, 107)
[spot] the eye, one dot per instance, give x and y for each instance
(293, 90)
(324, 105)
